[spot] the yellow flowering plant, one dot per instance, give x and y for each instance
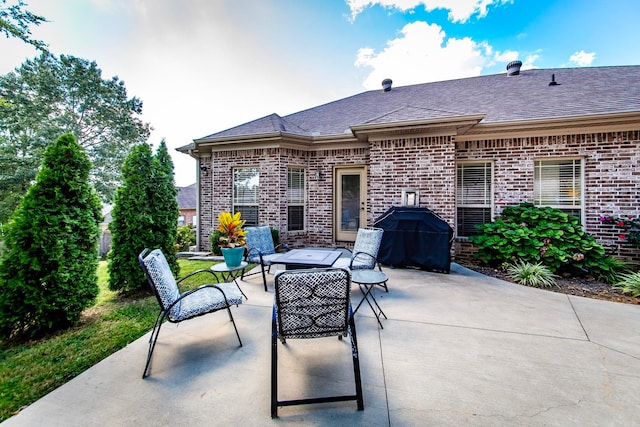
(231, 233)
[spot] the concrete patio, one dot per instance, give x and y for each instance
(457, 349)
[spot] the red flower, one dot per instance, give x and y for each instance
(620, 224)
(622, 236)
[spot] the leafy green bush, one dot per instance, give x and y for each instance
(214, 239)
(185, 237)
(275, 234)
(528, 274)
(542, 235)
(630, 284)
(48, 270)
(630, 227)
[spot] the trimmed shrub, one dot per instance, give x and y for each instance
(543, 235)
(48, 270)
(145, 215)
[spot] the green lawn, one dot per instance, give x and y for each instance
(31, 370)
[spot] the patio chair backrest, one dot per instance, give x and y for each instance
(368, 241)
(312, 303)
(160, 277)
(260, 238)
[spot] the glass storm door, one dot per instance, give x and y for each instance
(350, 202)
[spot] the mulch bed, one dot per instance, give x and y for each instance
(580, 286)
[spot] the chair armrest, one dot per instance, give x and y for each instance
(282, 245)
(248, 254)
(343, 248)
(199, 288)
(365, 255)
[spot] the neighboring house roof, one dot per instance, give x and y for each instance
(492, 99)
(187, 197)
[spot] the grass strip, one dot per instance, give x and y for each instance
(31, 370)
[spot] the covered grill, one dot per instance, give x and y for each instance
(415, 237)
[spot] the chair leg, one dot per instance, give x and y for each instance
(356, 363)
(264, 277)
(234, 324)
(274, 370)
(152, 341)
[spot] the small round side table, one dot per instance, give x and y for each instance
(230, 273)
(367, 280)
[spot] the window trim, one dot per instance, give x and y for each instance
(302, 172)
(489, 201)
(255, 203)
(581, 184)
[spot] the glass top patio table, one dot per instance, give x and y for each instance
(308, 258)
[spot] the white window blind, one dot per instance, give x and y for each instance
(295, 199)
(558, 184)
(474, 195)
(246, 193)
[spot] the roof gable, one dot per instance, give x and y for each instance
(272, 123)
(187, 197)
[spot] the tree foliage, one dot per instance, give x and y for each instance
(144, 215)
(48, 96)
(48, 270)
(15, 21)
(165, 205)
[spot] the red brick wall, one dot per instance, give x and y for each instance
(188, 215)
(427, 164)
(612, 177)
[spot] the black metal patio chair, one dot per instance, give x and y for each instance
(177, 307)
(260, 250)
(313, 304)
(364, 255)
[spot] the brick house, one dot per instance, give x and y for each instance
(187, 205)
(465, 148)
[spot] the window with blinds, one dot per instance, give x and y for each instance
(295, 199)
(474, 196)
(558, 184)
(246, 193)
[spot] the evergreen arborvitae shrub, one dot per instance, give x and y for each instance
(145, 215)
(48, 269)
(164, 200)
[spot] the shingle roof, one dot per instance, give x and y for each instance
(187, 197)
(502, 98)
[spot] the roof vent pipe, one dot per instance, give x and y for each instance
(513, 68)
(553, 81)
(386, 85)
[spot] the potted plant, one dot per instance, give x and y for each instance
(232, 238)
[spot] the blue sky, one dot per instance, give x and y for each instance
(202, 66)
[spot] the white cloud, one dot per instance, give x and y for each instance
(421, 55)
(506, 56)
(459, 10)
(582, 58)
(527, 64)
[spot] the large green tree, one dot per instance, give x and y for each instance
(48, 96)
(15, 20)
(48, 269)
(144, 215)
